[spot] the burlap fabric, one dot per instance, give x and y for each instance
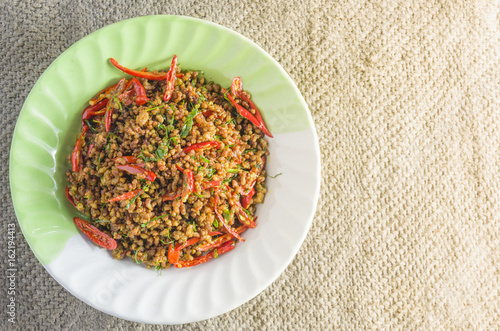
(405, 96)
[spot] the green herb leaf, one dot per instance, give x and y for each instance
(115, 99)
(229, 180)
(188, 123)
(160, 152)
(216, 255)
(215, 224)
(210, 173)
(135, 256)
(162, 126)
(133, 199)
(276, 175)
(202, 97)
(154, 219)
(227, 215)
(90, 126)
(153, 108)
(204, 159)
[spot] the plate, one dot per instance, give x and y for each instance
(45, 134)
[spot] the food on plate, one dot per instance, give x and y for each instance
(168, 167)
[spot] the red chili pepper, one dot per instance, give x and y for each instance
(207, 185)
(236, 86)
(245, 199)
(170, 196)
(126, 196)
(120, 87)
(221, 219)
(94, 234)
(127, 97)
(75, 156)
(140, 92)
(173, 255)
(221, 240)
(91, 147)
(141, 74)
(108, 118)
(70, 198)
(91, 111)
(137, 93)
(169, 88)
(101, 95)
(205, 258)
(214, 233)
(202, 145)
(188, 186)
(246, 114)
(207, 113)
(129, 159)
(135, 170)
(242, 216)
(237, 90)
(189, 242)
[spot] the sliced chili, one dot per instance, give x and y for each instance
(91, 111)
(107, 118)
(189, 242)
(136, 93)
(129, 159)
(221, 240)
(120, 87)
(188, 185)
(202, 145)
(101, 95)
(75, 156)
(135, 169)
(207, 113)
(126, 196)
(94, 234)
(173, 255)
(69, 197)
(170, 196)
(140, 74)
(237, 90)
(236, 86)
(242, 216)
(245, 199)
(222, 220)
(207, 257)
(140, 92)
(207, 185)
(91, 147)
(169, 88)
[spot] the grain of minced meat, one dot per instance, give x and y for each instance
(146, 155)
